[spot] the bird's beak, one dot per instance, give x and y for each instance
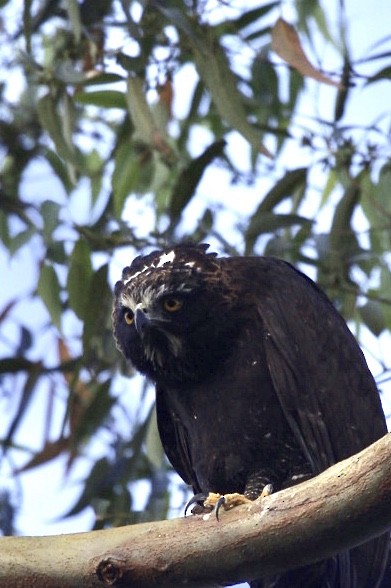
(141, 321)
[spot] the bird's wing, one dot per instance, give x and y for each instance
(174, 440)
(325, 388)
(319, 373)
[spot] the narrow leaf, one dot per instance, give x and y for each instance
(34, 374)
(249, 17)
(73, 10)
(214, 69)
(51, 122)
(49, 290)
(286, 43)
(126, 175)
(79, 277)
(50, 211)
(190, 177)
(102, 98)
(60, 170)
(383, 74)
(143, 120)
(268, 222)
(373, 316)
(50, 450)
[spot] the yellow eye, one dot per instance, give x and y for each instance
(172, 304)
(129, 317)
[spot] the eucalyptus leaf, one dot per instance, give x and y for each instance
(373, 316)
(79, 277)
(49, 290)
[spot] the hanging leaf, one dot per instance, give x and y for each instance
(342, 237)
(52, 123)
(190, 177)
(383, 74)
(286, 43)
(102, 98)
(268, 222)
(60, 169)
(144, 122)
(214, 69)
(293, 180)
(49, 290)
(373, 316)
(34, 373)
(251, 16)
(50, 451)
(79, 277)
(50, 211)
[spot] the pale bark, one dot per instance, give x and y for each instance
(344, 506)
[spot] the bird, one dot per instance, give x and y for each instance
(258, 380)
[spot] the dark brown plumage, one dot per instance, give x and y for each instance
(258, 380)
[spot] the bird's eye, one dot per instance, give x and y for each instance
(129, 317)
(172, 304)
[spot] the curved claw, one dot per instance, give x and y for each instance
(200, 497)
(218, 505)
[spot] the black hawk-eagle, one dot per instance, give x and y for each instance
(258, 381)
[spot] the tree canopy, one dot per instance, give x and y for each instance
(127, 125)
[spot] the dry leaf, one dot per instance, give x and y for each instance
(286, 43)
(50, 450)
(81, 395)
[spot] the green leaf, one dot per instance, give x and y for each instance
(52, 123)
(190, 177)
(97, 315)
(60, 170)
(20, 239)
(249, 17)
(102, 98)
(341, 231)
(79, 278)
(49, 290)
(373, 316)
(382, 74)
(268, 222)
(214, 69)
(73, 10)
(100, 78)
(50, 211)
(25, 399)
(293, 180)
(96, 412)
(385, 294)
(126, 175)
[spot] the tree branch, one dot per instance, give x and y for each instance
(344, 506)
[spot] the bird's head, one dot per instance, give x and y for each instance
(170, 313)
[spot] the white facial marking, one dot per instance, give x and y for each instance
(160, 262)
(166, 258)
(136, 274)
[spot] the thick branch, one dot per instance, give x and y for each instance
(343, 507)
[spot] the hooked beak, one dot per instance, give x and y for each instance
(141, 320)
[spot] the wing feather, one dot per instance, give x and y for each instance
(319, 373)
(175, 440)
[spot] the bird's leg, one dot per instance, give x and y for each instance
(227, 501)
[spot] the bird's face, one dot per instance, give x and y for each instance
(166, 314)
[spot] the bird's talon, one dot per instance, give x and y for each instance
(196, 499)
(268, 489)
(221, 502)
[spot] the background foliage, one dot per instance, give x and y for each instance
(125, 126)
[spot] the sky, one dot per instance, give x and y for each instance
(44, 488)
